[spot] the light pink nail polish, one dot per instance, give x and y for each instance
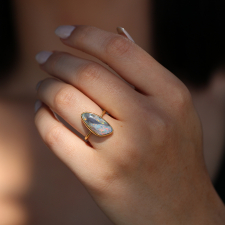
(37, 105)
(43, 56)
(38, 85)
(123, 32)
(64, 31)
(55, 115)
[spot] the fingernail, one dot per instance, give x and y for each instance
(123, 32)
(43, 56)
(37, 105)
(64, 31)
(38, 85)
(55, 115)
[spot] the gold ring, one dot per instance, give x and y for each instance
(96, 124)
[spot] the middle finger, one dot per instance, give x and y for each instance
(95, 81)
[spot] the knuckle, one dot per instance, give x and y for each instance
(161, 131)
(52, 136)
(64, 98)
(182, 98)
(88, 74)
(161, 127)
(118, 46)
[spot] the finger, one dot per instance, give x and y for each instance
(126, 58)
(70, 103)
(73, 151)
(95, 81)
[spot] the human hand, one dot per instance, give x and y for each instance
(151, 169)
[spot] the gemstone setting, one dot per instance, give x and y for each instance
(96, 124)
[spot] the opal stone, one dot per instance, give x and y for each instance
(96, 124)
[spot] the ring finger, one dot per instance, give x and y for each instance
(70, 103)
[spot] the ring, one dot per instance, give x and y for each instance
(96, 124)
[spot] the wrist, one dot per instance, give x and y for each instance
(209, 208)
(200, 206)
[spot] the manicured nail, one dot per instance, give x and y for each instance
(123, 32)
(55, 115)
(37, 105)
(64, 31)
(43, 56)
(38, 85)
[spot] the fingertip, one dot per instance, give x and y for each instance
(64, 31)
(43, 56)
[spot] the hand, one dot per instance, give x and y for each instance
(151, 169)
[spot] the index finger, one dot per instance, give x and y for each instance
(125, 57)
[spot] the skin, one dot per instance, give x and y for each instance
(155, 173)
(55, 195)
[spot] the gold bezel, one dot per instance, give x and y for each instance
(86, 125)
